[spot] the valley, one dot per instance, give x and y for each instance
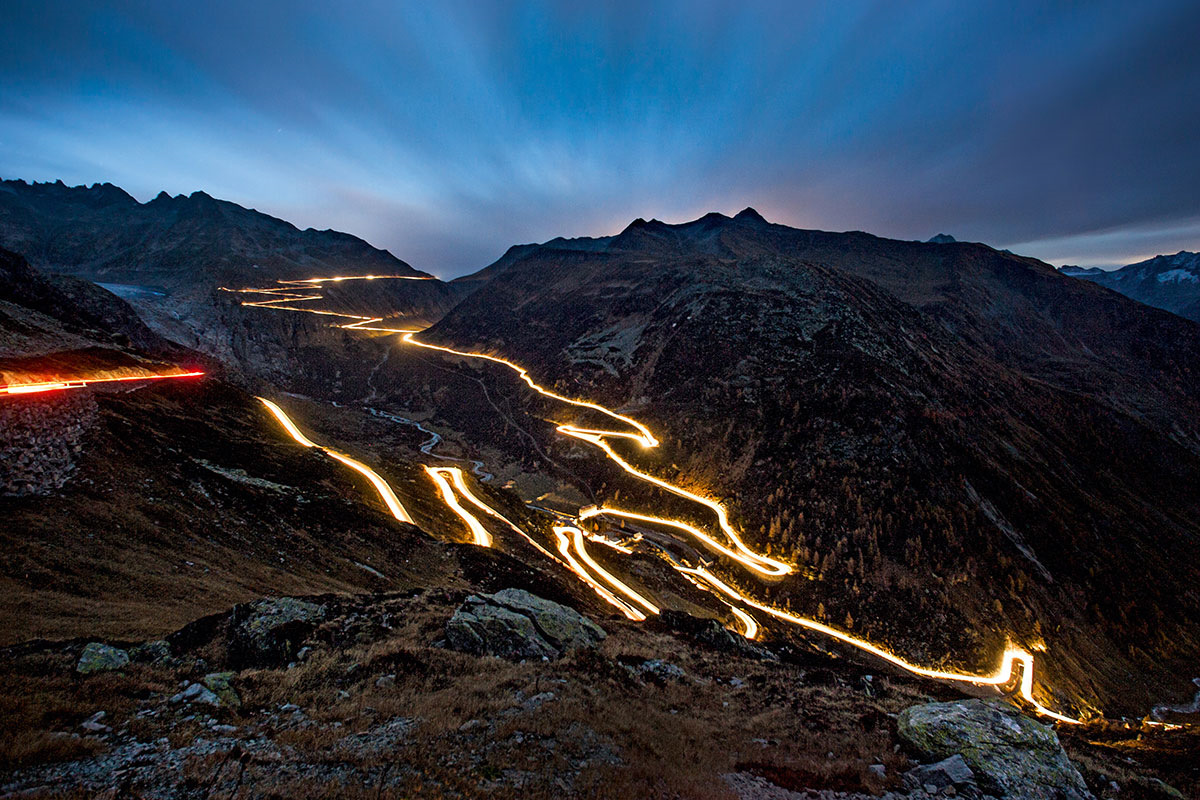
(604, 582)
(436, 428)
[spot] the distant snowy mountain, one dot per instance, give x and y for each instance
(1167, 282)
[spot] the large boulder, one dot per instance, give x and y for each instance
(100, 657)
(268, 632)
(515, 624)
(1010, 754)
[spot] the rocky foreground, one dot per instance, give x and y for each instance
(449, 694)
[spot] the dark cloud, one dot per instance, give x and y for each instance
(447, 131)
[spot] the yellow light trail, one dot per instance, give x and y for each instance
(607, 576)
(749, 625)
(588, 513)
(564, 546)
(739, 552)
(1002, 676)
(567, 535)
(285, 293)
(365, 325)
(447, 480)
(620, 548)
(381, 486)
(642, 437)
(445, 476)
(340, 278)
(478, 532)
(460, 483)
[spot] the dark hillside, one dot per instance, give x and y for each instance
(960, 445)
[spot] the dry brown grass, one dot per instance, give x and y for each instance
(606, 733)
(672, 740)
(44, 702)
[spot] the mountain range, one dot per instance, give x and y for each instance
(172, 257)
(943, 433)
(956, 449)
(1169, 282)
(102, 233)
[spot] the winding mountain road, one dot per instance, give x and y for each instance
(570, 539)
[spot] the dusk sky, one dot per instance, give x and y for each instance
(447, 131)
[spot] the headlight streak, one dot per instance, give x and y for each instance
(1003, 675)
(446, 488)
(561, 532)
(566, 535)
(740, 552)
(749, 626)
(483, 539)
(608, 577)
(298, 291)
(620, 548)
(588, 513)
(460, 483)
(643, 436)
(381, 486)
(478, 532)
(79, 383)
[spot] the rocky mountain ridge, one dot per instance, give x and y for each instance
(172, 257)
(103, 234)
(1167, 282)
(929, 432)
(894, 416)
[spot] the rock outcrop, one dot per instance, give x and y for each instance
(714, 634)
(221, 684)
(268, 632)
(100, 657)
(515, 624)
(934, 778)
(1010, 754)
(152, 652)
(197, 693)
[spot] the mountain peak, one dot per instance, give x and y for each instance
(1073, 270)
(941, 238)
(748, 214)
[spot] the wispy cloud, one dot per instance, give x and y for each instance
(447, 131)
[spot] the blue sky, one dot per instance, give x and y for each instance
(447, 131)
